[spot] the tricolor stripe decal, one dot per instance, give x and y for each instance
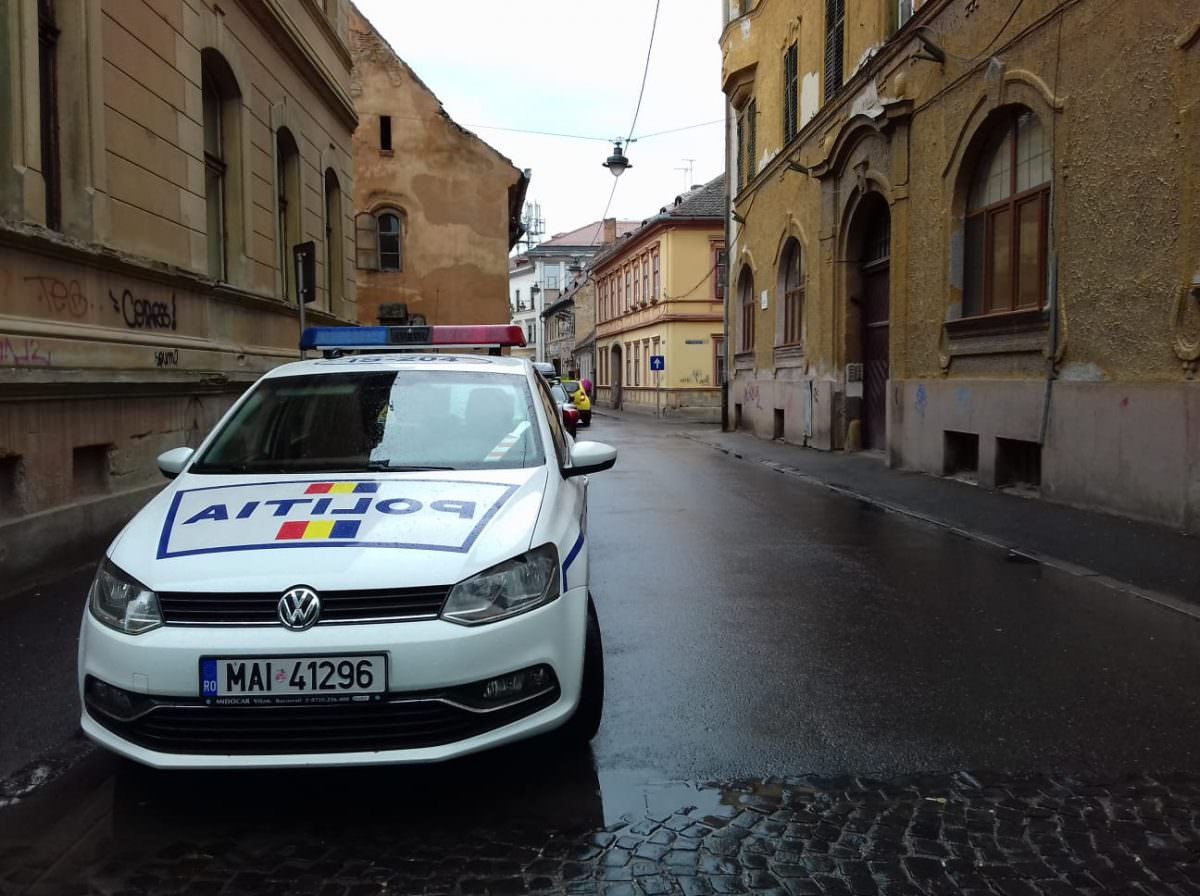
(342, 488)
(298, 530)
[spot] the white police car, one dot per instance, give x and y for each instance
(373, 558)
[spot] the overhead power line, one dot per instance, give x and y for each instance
(645, 70)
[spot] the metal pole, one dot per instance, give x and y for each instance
(299, 298)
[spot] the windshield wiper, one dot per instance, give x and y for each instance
(382, 466)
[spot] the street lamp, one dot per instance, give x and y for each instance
(617, 162)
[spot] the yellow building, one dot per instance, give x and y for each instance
(967, 235)
(659, 293)
(158, 162)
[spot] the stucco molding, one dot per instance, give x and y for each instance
(1186, 327)
(1016, 88)
(1190, 37)
(851, 134)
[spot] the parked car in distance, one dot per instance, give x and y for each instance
(580, 399)
(570, 413)
(546, 369)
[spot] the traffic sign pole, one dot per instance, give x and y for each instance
(658, 363)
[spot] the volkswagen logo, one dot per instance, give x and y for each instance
(299, 608)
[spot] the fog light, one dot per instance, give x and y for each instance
(114, 701)
(518, 684)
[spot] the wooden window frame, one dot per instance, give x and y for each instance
(637, 281)
(746, 312)
(793, 299)
(399, 234)
(1011, 205)
(719, 272)
(646, 279)
(791, 85)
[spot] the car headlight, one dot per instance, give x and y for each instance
(122, 602)
(506, 589)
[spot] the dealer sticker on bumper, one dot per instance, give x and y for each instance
(293, 679)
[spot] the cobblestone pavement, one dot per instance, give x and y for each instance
(935, 835)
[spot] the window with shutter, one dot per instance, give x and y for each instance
(751, 140)
(366, 241)
(790, 92)
(835, 25)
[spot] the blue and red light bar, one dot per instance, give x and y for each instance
(397, 338)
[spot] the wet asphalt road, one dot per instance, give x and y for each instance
(755, 627)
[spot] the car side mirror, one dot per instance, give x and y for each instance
(171, 463)
(590, 457)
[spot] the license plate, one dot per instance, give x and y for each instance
(293, 679)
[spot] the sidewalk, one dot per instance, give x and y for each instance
(1144, 559)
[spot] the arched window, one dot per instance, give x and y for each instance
(746, 309)
(1008, 218)
(48, 108)
(791, 291)
(334, 276)
(220, 104)
(390, 237)
(287, 182)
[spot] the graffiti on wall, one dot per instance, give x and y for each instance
(144, 314)
(167, 358)
(752, 394)
(23, 353)
(64, 298)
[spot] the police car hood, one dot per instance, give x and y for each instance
(339, 532)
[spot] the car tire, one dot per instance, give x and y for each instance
(586, 417)
(585, 721)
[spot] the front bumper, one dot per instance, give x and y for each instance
(426, 660)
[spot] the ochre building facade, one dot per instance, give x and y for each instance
(158, 161)
(658, 294)
(967, 235)
(437, 208)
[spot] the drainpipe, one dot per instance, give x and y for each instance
(1050, 362)
(727, 366)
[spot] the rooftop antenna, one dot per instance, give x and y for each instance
(687, 176)
(535, 224)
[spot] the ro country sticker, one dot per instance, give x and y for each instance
(416, 514)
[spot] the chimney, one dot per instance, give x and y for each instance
(610, 231)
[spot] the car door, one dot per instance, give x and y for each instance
(564, 508)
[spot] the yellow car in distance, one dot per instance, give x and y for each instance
(580, 399)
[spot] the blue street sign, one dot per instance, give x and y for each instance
(658, 362)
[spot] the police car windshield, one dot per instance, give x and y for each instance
(379, 420)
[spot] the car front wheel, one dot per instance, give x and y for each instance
(586, 418)
(585, 722)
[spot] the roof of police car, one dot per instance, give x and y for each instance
(405, 361)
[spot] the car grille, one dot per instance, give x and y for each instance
(337, 607)
(404, 724)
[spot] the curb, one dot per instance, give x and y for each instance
(1014, 552)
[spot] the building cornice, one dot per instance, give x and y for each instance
(639, 240)
(270, 15)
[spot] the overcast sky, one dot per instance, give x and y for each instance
(573, 66)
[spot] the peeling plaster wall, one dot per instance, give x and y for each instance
(1126, 240)
(452, 187)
